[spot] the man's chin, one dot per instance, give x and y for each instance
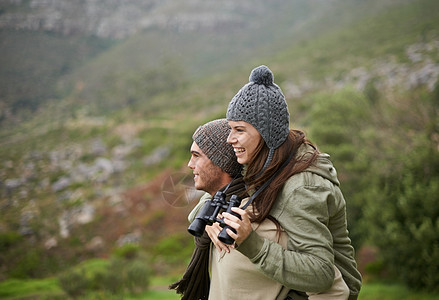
(198, 186)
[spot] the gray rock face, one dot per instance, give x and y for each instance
(121, 18)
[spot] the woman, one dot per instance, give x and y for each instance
(294, 234)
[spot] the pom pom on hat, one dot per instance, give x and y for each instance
(262, 75)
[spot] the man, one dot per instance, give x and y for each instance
(213, 160)
(215, 167)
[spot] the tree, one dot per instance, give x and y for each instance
(404, 219)
(402, 209)
(340, 124)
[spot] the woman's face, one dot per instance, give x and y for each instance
(244, 138)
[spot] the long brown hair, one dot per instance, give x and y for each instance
(263, 203)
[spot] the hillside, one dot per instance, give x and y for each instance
(85, 164)
(45, 41)
(52, 49)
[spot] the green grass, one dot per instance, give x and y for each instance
(392, 291)
(16, 288)
(47, 288)
(156, 295)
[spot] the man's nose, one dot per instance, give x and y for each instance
(190, 164)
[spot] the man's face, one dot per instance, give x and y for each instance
(206, 173)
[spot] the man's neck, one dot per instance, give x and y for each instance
(223, 181)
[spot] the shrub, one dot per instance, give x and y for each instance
(175, 248)
(127, 251)
(74, 282)
(406, 228)
(339, 123)
(119, 276)
(137, 277)
(8, 239)
(124, 275)
(402, 211)
(28, 264)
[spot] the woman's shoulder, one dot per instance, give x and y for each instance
(305, 179)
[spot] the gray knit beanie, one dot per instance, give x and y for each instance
(262, 104)
(212, 140)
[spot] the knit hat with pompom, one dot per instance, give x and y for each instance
(262, 104)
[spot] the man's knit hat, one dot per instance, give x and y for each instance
(262, 104)
(212, 140)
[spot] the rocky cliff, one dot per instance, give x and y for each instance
(120, 18)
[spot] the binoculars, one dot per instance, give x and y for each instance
(208, 215)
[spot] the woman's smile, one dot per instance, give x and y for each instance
(244, 138)
(239, 150)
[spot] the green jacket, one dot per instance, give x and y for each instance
(312, 210)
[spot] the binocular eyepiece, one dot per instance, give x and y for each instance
(208, 215)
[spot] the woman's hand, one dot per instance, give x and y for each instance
(242, 226)
(213, 232)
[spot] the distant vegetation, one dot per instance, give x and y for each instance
(84, 164)
(32, 63)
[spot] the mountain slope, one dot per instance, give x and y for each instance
(105, 150)
(53, 48)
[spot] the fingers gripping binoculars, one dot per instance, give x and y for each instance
(209, 215)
